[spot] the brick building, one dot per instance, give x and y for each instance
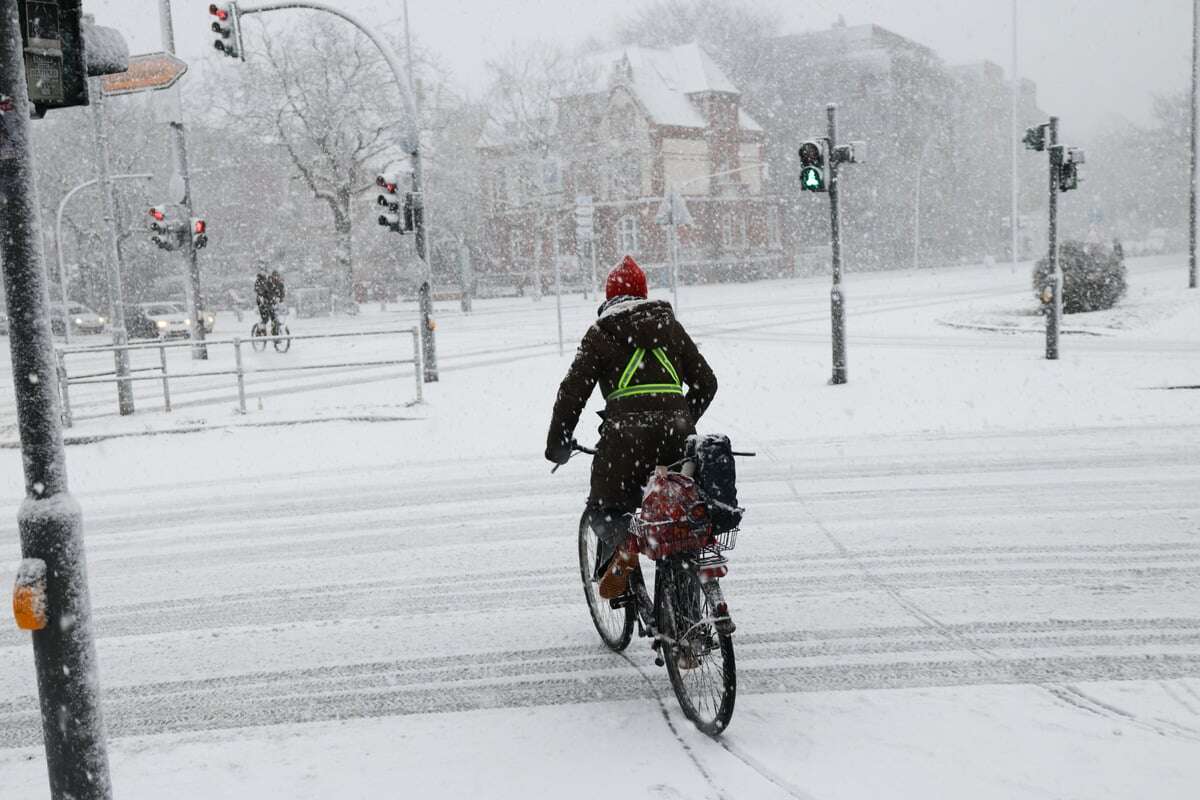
(645, 123)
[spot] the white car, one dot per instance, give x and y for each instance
(81, 318)
(167, 319)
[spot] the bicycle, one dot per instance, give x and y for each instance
(278, 333)
(686, 619)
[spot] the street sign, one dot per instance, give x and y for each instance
(147, 73)
(673, 211)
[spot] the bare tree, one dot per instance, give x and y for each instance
(529, 89)
(325, 95)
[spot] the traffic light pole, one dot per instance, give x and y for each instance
(837, 300)
(49, 521)
(1195, 111)
(180, 153)
(116, 298)
(1054, 307)
(412, 146)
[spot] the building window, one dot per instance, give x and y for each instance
(627, 234)
(773, 227)
(727, 231)
(514, 243)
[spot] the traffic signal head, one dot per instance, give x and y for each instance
(62, 50)
(388, 200)
(1069, 159)
(812, 163)
(1035, 138)
(158, 213)
(199, 233)
(225, 26)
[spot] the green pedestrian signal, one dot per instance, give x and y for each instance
(812, 180)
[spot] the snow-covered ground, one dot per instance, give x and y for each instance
(967, 573)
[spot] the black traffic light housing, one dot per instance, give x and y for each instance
(812, 164)
(228, 29)
(1067, 159)
(397, 215)
(166, 233)
(1035, 137)
(62, 50)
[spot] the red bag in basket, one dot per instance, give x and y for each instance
(673, 517)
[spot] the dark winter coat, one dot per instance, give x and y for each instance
(642, 430)
(275, 289)
(262, 291)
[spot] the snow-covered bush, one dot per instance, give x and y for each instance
(1093, 276)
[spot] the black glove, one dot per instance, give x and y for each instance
(558, 453)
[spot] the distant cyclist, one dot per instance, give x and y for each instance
(642, 358)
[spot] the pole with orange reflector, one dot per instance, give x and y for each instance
(51, 595)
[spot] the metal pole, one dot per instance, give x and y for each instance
(837, 299)
(241, 375)
(1195, 157)
(64, 389)
(1014, 136)
(1054, 307)
(116, 297)
(558, 301)
(58, 241)
(674, 245)
(417, 371)
(50, 521)
(180, 153)
(162, 359)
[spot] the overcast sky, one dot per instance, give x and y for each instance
(1090, 58)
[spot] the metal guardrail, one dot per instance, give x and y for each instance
(65, 380)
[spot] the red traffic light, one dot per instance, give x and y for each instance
(199, 226)
(158, 214)
(218, 12)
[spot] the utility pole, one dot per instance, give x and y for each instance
(837, 300)
(1054, 307)
(51, 598)
(183, 177)
(1014, 213)
(116, 298)
(1195, 157)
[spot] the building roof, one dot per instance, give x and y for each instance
(664, 82)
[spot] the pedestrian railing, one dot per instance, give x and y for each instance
(239, 372)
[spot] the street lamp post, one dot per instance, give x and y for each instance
(58, 247)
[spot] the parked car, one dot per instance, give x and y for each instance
(3, 324)
(81, 319)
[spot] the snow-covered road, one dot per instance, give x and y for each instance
(968, 573)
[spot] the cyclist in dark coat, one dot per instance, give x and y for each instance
(642, 358)
(262, 297)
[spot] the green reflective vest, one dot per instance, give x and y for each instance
(635, 361)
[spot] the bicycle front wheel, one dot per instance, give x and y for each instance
(283, 344)
(615, 625)
(699, 658)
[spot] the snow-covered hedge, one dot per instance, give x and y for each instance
(1093, 276)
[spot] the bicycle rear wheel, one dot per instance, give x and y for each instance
(615, 625)
(257, 331)
(699, 658)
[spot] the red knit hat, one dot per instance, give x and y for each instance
(626, 278)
